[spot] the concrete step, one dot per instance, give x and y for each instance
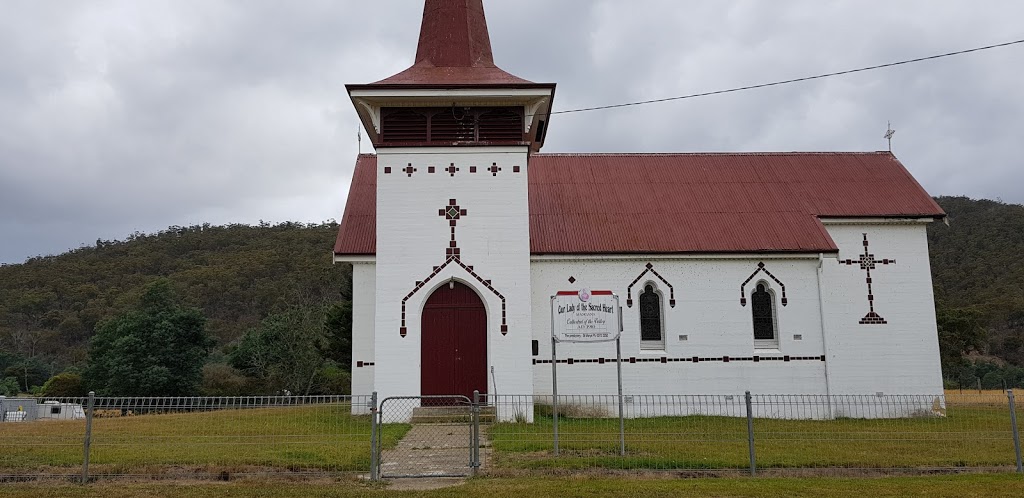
(451, 414)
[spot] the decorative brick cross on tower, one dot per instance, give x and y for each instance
(452, 212)
(867, 263)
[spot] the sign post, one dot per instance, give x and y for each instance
(586, 316)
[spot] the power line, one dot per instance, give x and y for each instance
(794, 80)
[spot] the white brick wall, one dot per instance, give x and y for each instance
(707, 311)
(364, 276)
(412, 238)
(901, 357)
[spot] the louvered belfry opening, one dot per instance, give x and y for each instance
(448, 125)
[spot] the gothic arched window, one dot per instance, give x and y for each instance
(651, 335)
(762, 305)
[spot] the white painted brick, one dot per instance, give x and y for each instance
(363, 285)
(412, 239)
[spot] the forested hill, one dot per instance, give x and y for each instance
(978, 260)
(978, 273)
(236, 275)
(240, 275)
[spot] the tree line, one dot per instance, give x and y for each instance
(258, 309)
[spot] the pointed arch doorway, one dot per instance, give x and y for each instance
(454, 342)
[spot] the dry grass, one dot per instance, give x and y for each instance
(310, 438)
(974, 433)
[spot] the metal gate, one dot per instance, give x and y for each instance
(426, 436)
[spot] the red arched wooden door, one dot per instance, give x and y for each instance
(454, 342)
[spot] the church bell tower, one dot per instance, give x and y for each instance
(453, 135)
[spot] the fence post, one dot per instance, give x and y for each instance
(475, 454)
(3, 411)
(750, 433)
(374, 457)
(1016, 432)
(89, 408)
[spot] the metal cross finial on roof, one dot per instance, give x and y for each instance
(889, 132)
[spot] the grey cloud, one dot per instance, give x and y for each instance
(126, 115)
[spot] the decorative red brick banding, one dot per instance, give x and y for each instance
(650, 268)
(694, 359)
(761, 268)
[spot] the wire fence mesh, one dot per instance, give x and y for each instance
(797, 434)
(193, 437)
(438, 436)
(452, 435)
(41, 436)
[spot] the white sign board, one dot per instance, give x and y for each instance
(585, 316)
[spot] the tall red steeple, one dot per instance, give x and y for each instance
(454, 48)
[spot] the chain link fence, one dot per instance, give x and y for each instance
(217, 438)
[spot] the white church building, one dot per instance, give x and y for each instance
(789, 273)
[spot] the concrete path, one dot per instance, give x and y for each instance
(434, 450)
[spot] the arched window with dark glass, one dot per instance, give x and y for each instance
(762, 305)
(650, 318)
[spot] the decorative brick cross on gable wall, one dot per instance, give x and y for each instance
(867, 263)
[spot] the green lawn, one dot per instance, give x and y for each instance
(313, 438)
(982, 486)
(969, 436)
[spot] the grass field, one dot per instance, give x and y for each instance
(982, 486)
(975, 432)
(311, 438)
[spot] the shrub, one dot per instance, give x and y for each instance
(64, 385)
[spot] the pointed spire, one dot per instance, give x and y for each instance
(454, 34)
(454, 48)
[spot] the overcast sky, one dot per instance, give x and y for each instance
(134, 115)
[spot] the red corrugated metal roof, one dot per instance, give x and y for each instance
(685, 203)
(454, 48)
(358, 231)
